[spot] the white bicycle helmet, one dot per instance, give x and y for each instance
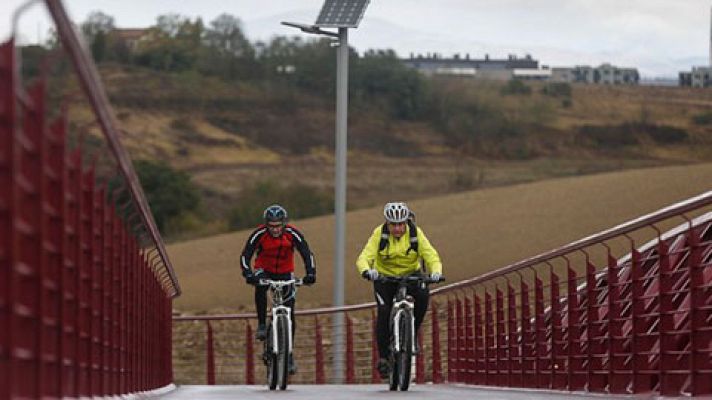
(396, 212)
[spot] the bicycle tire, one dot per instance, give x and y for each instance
(271, 366)
(393, 377)
(406, 353)
(283, 351)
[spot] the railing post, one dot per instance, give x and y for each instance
(515, 361)
(665, 324)
(490, 351)
(250, 355)
(375, 378)
(575, 356)
(617, 375)
(349, 350)
(210, 355)
(480, 361)
(7, 127)
(557, 349)
(500, 339)
(420, 360)
(700, 365)
(542, 361)
(461, 354)
(528, 343)
(452, 358)
(318, 352)
(596, 374)
(435, 337)
(640, 340)
(468, 350)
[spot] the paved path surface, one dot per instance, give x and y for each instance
(356, 392)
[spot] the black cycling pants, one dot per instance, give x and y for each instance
(385, 292)
(261, 299)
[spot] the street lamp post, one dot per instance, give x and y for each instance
(341, 15)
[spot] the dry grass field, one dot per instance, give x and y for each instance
(474, 231)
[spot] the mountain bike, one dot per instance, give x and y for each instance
(403, 341)
(279, 341)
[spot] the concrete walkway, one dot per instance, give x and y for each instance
(355, 392)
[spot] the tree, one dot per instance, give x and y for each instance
(174, 44)
(96, 30)
(225, 34)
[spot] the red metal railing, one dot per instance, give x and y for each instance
(575, 318)
(85, 300)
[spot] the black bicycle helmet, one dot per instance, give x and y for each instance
(275, 213)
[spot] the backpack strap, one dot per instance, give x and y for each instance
(384, 237)
(413, 237)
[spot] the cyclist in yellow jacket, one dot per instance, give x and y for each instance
(396, 248)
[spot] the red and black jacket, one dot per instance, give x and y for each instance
(276, 254)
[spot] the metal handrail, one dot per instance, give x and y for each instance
(89, 78)
(673, 210)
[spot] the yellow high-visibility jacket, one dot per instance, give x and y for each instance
(393, 260)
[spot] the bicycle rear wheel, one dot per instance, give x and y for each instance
(404, 357)
(283, 353)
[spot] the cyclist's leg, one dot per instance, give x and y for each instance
(291, 304)
(261, 304)
(384, 292)
(421, 295)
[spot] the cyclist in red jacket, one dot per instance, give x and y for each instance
(274, 243)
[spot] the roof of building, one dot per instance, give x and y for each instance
(132, 33)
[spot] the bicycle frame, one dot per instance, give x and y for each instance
(400, 307)
(278, 308)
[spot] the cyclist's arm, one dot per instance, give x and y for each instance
(368, 255)
(249, 250)
(429, 254)
(301, 244)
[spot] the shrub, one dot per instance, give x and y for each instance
(702, 119)
(608, 135)
(664, 134)
(170, 193)
(627, 134)
(516, 87)
(557, 89)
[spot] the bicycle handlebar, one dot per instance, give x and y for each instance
(409, 278)
(273, 283)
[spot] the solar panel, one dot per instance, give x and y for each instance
(341, 13)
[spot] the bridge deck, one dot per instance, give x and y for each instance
(355, 392)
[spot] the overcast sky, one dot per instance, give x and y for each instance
(659, 37)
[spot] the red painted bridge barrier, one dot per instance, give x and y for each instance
(86, 287)
(627, 310)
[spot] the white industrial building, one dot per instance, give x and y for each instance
(525, 68)
(605, 74)
(699, 77)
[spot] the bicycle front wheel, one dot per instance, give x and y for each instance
(283, 352)
(404, 357)
(270, 361)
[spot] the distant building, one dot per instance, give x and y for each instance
(131, 37)
(525, 68)
(699, 77)
(605, 74)
(484, 68)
